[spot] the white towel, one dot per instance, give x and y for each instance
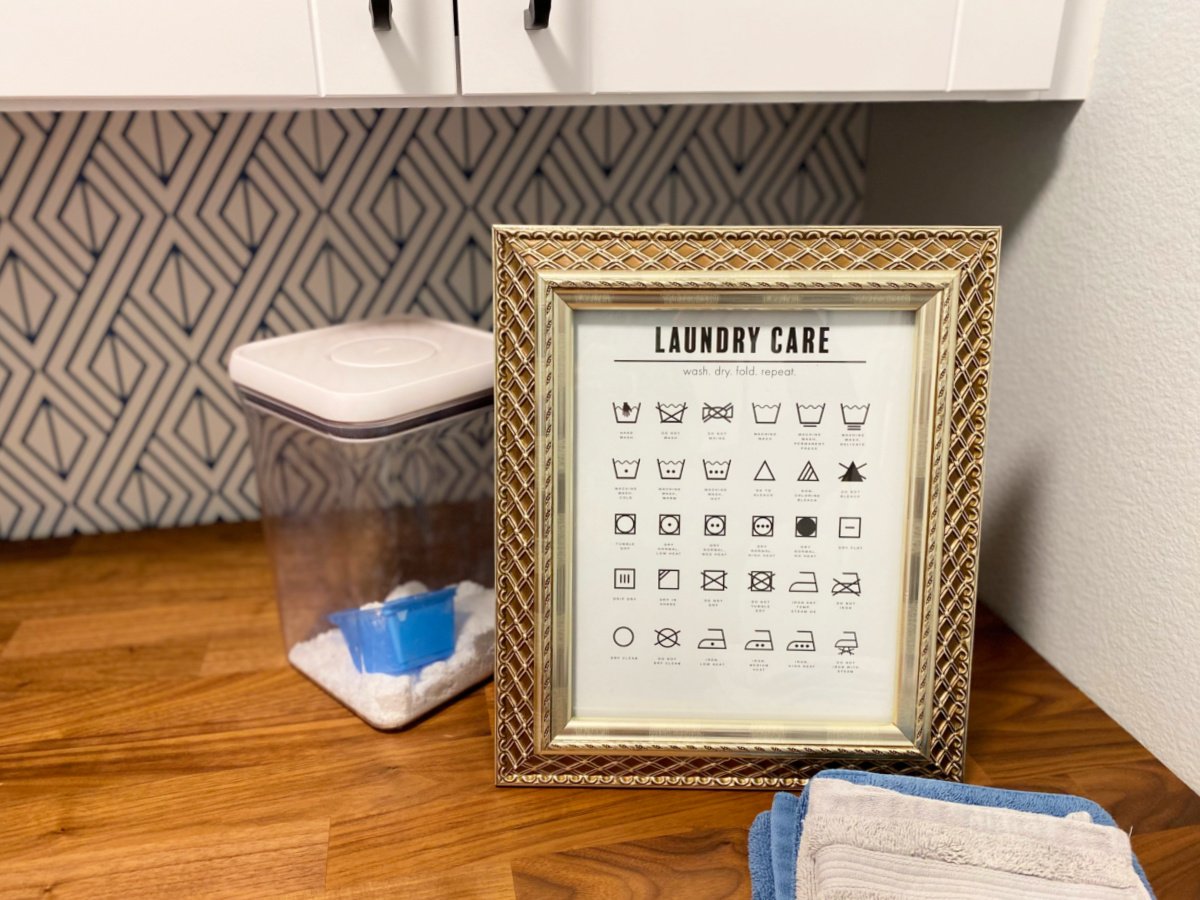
(851, 873)
(1052, 851)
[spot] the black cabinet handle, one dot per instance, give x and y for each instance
(381, 14)
(537, 16)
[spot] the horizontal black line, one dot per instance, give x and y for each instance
(858, 362)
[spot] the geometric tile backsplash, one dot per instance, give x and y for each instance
(137, 249)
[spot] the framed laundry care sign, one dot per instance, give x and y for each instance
(738, 483)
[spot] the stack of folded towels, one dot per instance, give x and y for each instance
(862, 836)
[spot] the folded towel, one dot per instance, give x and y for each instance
(849, 873)
(760, 858)
(785, 841)
(1048, 851)
(788, 810)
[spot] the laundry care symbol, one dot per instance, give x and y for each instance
(624, 579)
(668, 523)
(855, 417)
(806, 643)
(806, 526)
(714, 641)
(710, 412)
(764, 473)
(761, 643)
(810, 414)
(850, 527)
(805, 583)
(626, 414)
(765, 413)
(671, 413)
(668, 579)
(762, 582)
(808, 473)
(714, 525)
(762, 526)
(625, 523)
(623, 636)
(716, 469)
(713, 579)
(666, 637)
(853, 472)
(847, 643)
(626, 469)
(670, 469)
(849, 583)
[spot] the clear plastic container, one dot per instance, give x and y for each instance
(372, 445)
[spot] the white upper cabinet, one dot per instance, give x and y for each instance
(281, 53)
(414, 57)
(1006, 45)
(144, 49)
(767, 46)
(500, 57)
(782, 49)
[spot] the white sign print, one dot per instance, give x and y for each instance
(740, 480)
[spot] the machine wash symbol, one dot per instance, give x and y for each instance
(765, 413)
(855, 417)
(810, 414)
(626, 469)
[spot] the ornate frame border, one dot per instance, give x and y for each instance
(877, 256)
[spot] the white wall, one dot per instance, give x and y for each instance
(1092, 500)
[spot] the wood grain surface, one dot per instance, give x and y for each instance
(155, 742)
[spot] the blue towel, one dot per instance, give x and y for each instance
(760, 858)
(786, 814)
(788, 811)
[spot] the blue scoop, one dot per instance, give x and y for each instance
(401, 636)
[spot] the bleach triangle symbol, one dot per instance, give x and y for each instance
(808, 473)
(764, 473)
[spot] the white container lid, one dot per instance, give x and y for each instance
(365, 373)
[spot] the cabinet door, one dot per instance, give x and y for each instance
(500, 57)
(416, 57)
(1006, 45)
(770, 46)
(155, 48)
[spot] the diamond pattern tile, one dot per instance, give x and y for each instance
(137, 249)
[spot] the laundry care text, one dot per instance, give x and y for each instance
(740, 339)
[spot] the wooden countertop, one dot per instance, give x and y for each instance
(155, 741)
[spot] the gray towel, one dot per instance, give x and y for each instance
(986, 846)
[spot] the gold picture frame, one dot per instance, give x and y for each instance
(939, 282)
